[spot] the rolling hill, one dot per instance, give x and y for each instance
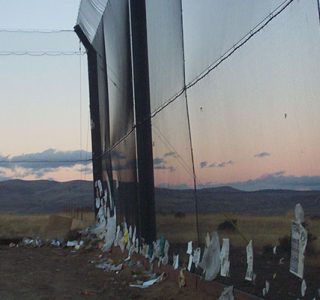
(42, 196)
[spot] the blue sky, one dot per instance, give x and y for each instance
(44, 100)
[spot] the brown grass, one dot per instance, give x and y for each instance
(14, 226)
(262, 230)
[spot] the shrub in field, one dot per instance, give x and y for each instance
(179, 215)
(228, 225)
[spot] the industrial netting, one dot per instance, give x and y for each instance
(221, 159)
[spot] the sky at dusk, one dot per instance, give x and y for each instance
(254, 120)
(44, 100)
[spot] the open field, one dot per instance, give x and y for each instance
(14, 226)
(263, 230)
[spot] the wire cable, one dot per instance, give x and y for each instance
(4, 162)
(43, 31)
(80, 105)
(41, 53)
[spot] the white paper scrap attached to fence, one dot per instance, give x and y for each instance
(299, 237)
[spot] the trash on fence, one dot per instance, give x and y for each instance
(227, 293)
(274, 250)
(37, 242)
(109, 267)
(190, 262)
(265, 290)
(175, 262)
(72, 243)
(196, 256)
(181, 278)
(111, 230)
(55, 243)
(210, 262)
(249, 273)
(303, 288)
(299, 238)
(224, 257)
(189, 249)
(150, 282)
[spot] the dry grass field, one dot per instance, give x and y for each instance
(263, 230)
(13, 226)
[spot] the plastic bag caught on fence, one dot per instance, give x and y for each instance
(210, 262)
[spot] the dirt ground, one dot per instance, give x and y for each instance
(62, 273)
(53, 273)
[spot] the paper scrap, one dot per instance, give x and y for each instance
(303, 288)
(190, 263)
(196, 256)
(150, 282)
(189, 249)
(72, 243)
(224, 258)
(299, 237)
(175, 262)
(210, 262)
(249, 273)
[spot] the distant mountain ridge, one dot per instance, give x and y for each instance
(43, 196)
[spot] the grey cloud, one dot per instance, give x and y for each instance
(170, 154)
(158, 161)
(49, 158)
(278, 180)
(222, 164)
(161, 164)
(127, 165)
(203, 164)
(86, 170)
(117, 155)
(40, 163)
(262, 154)
(165, 167)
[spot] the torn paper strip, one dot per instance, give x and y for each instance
(249, 273)
(299, 237)
(303, 288)
(189, 249)
(176, 261)
(190, 263)
(210, 262)
(224, 257)
(196, 256)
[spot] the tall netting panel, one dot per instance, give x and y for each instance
(121, 109)
(254, 124)
(233, 100)
(172, 163)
